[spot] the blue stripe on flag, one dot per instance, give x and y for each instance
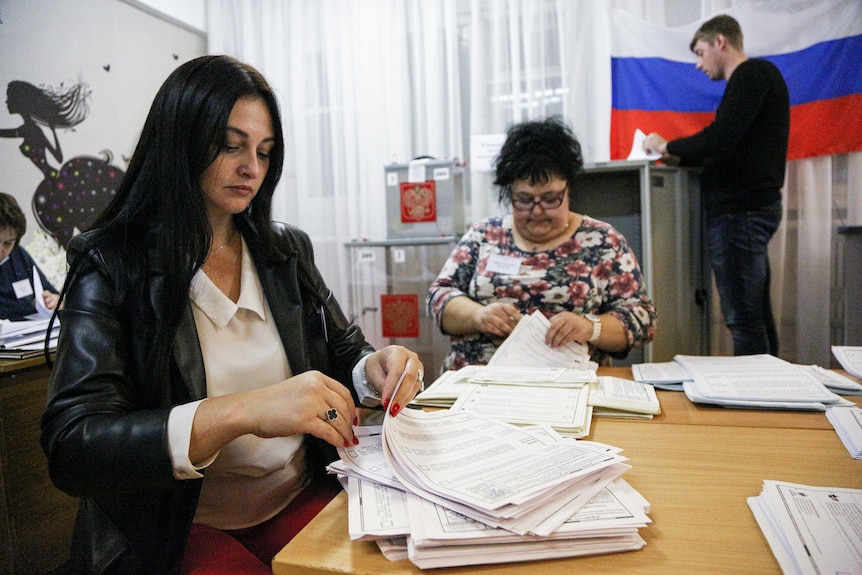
(825, 70)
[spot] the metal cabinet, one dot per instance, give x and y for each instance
(658, 209)
(399, 267)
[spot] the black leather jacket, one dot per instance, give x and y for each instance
(105, 426)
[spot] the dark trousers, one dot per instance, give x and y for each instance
(737, 245)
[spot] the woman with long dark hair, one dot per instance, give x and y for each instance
(203, 367)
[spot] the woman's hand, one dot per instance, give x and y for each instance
(310, 402)
(567, 327)
(384, 368)
(496, 319)
(50, 299)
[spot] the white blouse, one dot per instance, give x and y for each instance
(251, 479)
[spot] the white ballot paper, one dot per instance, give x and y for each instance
(42, 310)
(760, 381)
(563, 408)
(447, 388)
(847, 422)
(850, 358)
(526, 347)
(491, 471)
(637, 152)
(615, 394)
(667, 375)
(811, 530)
(609, 515)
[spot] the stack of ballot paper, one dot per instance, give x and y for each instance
(446, 389)
(850, 358)
(528, 383)
(26, 338)
(671, 375)
(847, 422)
(618, 397)
(811, 530)
(668, 375)
(447, 489)
(755, 381)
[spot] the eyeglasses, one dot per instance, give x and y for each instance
(526, 203)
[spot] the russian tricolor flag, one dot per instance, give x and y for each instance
(656, 88)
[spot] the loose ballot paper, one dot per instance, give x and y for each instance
(755, 381)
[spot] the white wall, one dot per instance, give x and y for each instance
(189, 12)
(123, 51)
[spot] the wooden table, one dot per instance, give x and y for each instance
(36, 518)
(696, 466)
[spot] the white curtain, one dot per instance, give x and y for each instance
(367, 82)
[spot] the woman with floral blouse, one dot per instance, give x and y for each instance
(578, 271)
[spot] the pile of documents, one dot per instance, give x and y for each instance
(850, 358)
(528, 383)
(847, 422)
(740, 375)
(26, 338)
(758, 381)
(811, 529)
(449, 488)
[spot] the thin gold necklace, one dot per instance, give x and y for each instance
(229, 240)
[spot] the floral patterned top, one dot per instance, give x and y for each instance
(593, 272)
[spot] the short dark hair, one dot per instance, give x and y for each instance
(11, 215)
(537, 151)
(722, 24)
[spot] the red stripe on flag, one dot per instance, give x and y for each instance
(825, 127)
(669, 124)
(818, 128)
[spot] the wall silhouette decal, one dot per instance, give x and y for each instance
(70, 196)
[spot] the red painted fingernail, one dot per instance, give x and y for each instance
(346, 444)
(355, 420)
(396, 408)
(386, 403)
(355, 440)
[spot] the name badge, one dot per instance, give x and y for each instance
(507, 265)
(22, 288)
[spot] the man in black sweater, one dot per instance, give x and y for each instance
(743, 154)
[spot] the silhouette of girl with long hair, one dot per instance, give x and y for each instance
(68, 200)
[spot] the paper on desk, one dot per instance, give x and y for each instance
(495, 473)
(376, 511)
(834, 382)
(850, 358)
(663, 372)
(439, 537)
(563, 408)
(637, 152)
(623, 394)
(847, 422)
(811, 530)
(763, 381)
(446, 389)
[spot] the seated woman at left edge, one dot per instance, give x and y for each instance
(203, 369)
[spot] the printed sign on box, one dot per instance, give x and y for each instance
(400, 315)
(418, 202)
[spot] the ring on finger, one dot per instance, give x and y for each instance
(421, 379)
(331, 414)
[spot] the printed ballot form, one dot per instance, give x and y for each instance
(811, 530)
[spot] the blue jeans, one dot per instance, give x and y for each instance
(737, 253)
